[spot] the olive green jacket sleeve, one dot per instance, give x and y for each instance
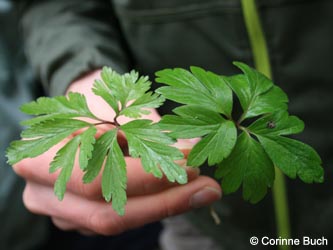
(65, 39)
(20, 229)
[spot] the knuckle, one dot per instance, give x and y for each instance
(58, 224)
(151, 185)
(20, 169)
(91, 191)
(172, 205)
(62, 224)
(167, 208)
(28, 199)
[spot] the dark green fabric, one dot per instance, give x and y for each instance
(66, 38)
(19, 229)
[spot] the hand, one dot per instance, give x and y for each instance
(83, 208)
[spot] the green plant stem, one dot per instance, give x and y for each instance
(262, 64)
(106, 122)
(281, 206)
(256, 37)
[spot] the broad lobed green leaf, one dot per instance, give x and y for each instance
(258, 82)
(217, 87)
(291, 156)
(215, 146)
(247, 165)
(198, 87)
(294, 158)
(256, 93)
(190, 122)
(249, 159)
(278, 123)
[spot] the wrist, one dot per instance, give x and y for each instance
(84, 83)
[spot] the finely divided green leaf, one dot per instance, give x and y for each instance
(114, 178)
(53, 127)
(134, 86)
(64, 160)
(101, 89)
(101, 149)
(144, 129)
(107, 153)
(139, 107)
(149, 143)
(247, 165)
(127, 94)
(86, 146)
(41, 137)
(74, 105)
(22, 149)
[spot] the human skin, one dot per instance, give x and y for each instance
(83, 207)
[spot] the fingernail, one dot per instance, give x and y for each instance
(204, 197)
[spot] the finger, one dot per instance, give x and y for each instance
(139, 182)
(142, 183)
(86, 232)
(99, 217)
(69, 226)
(64, 224)
(185, 145)
(37, 170)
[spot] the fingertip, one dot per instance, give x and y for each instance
(205, 196)
(192, 173)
